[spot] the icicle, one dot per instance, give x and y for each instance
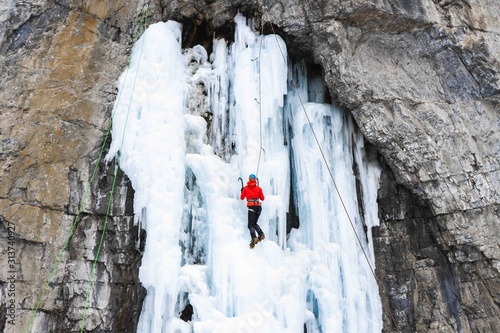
(219, 96)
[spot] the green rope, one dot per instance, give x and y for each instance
(82, 204)
(110, 200)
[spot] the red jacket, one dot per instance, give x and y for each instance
(253, 193)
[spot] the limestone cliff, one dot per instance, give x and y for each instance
(60, 61)
(420, 77)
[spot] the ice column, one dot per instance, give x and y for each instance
(340, 285)
(149, 117)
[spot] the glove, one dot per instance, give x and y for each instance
(242, 189)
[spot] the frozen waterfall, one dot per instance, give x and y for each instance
(192, 124)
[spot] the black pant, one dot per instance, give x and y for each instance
(253, 216)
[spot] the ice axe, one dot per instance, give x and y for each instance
(241, 180)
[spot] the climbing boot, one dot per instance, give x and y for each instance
(261, 238)
(253, 242)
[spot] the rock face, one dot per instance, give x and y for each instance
(420, 77)
(59, 63)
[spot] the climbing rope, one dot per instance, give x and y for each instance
(260, 97)
(84, 199)
(328, 167)
(117, 166)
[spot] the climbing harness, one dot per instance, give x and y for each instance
(255, 202)
(86, 193)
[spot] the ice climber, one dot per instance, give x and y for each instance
(253, 193)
